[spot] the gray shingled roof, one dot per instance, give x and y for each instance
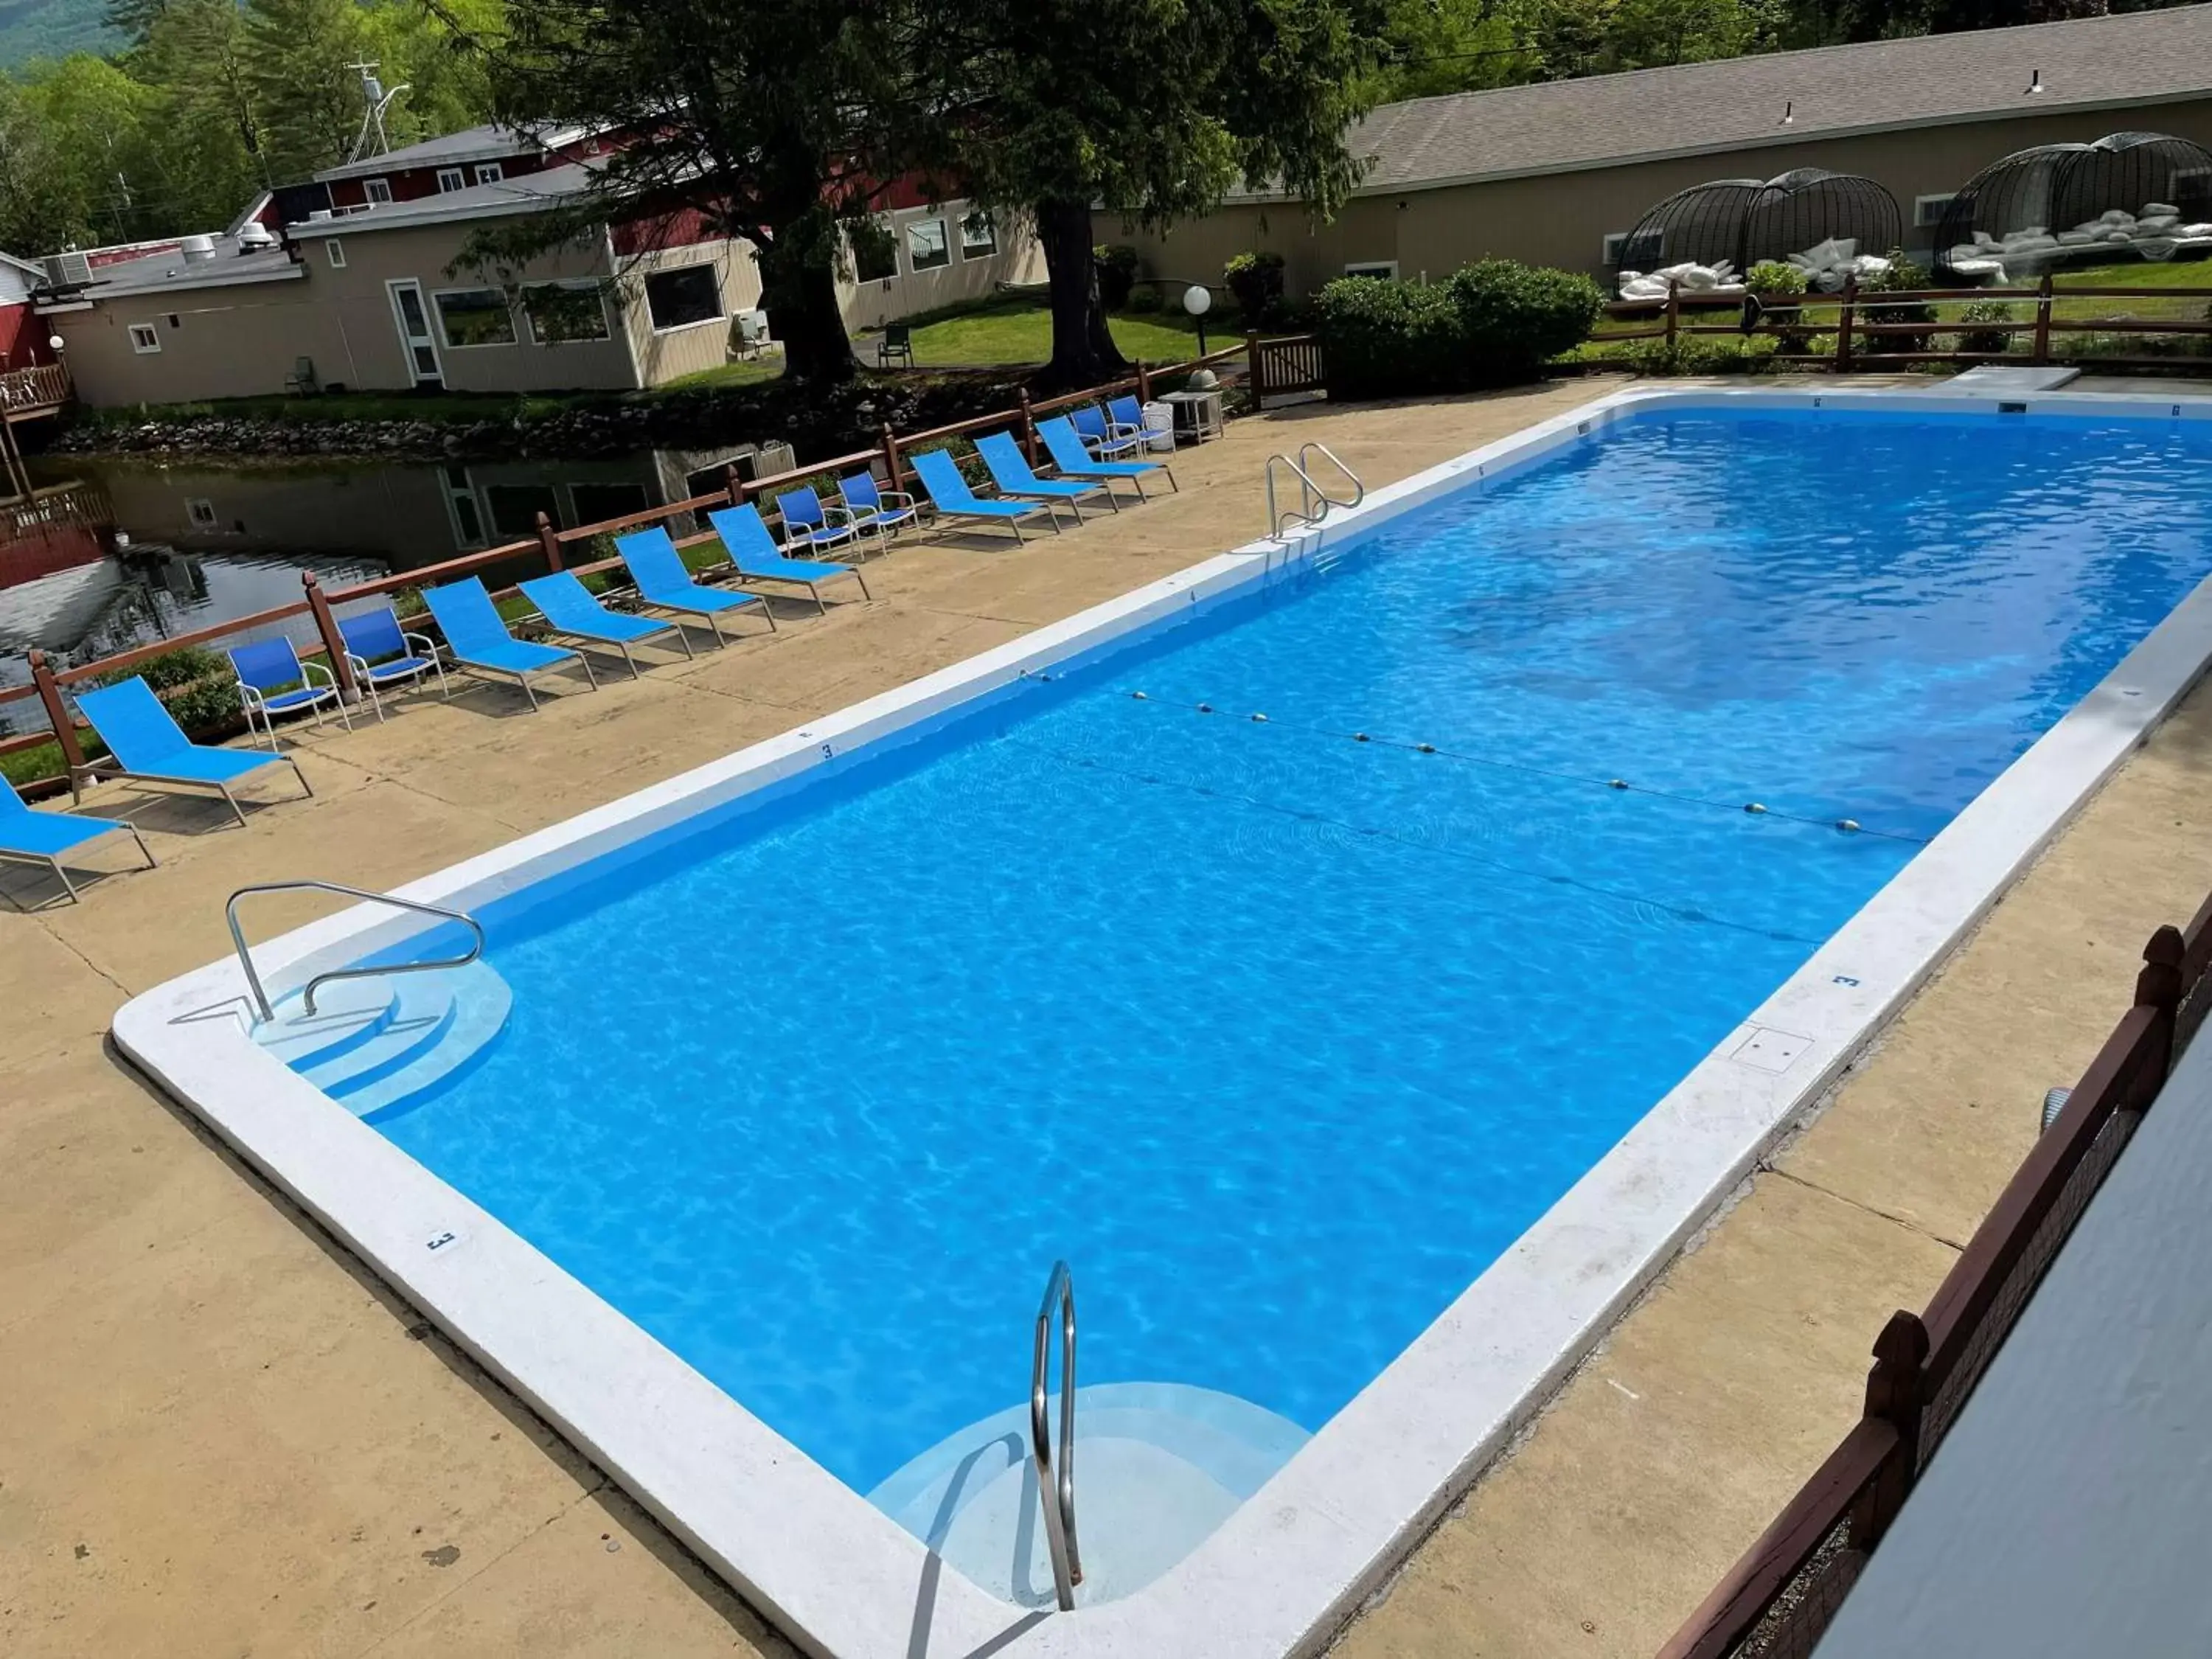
(487, 142)
(2137, 57)
(525, 193)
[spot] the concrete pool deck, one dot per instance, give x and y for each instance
(227, 1441)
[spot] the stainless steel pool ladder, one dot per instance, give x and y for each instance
(1314, 501)
(1056, 1484)
(307, 997)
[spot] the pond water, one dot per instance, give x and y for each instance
(111, 554)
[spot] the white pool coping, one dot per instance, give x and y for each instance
(1293, 1563)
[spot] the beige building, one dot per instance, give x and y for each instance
(374, 297)
(1549, 174)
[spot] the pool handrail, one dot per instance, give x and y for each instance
(1314, 501)
(1056, 1491)
(307, 997)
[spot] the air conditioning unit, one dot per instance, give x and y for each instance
(69, 270)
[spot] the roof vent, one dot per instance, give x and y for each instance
(2034, 81)
(254, 237)
(1788, 111)
(198, 250)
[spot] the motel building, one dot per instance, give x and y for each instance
(352, 281)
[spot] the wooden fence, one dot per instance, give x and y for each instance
(1288, 364)
(1777, 1601)
(1861, 318)
(555, 548)
(39, 387)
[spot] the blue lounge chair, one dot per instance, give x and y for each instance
(756, 558)
(1124, 416)
(479, 641)
(1105, 438)
(144, 744)
(383, 653)
(949, 493)
(273, 681)
(570, 610)
(663, 583)
(876, 511)
(34, 837)
(1072, 460)
(1010, 471)
(811, 526)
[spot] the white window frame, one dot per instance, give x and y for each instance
(606, 323)
(906, 242)
(145, 339)
(199, 512)
(445, 342)
(453, 494)
(378, 191)
(1928, 210)
(720, 320)
(490, 173)
(971, 252)
(1386, 269)
(450, 179)
(1609, 250)
(334, 252)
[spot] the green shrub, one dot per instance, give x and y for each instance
(1702, 354)
(1145, 298)
(198, 684)
(1775, 276)
(1985, 339)
(206, 705)
(1902, 276)
(1257, 281)
(1492, 324)
(1118, 265)
(174, 668)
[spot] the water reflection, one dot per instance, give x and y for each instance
(109, 555)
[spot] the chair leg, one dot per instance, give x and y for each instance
(820, 609)
(144, 851)
(237, 811)
(627, 658)
(863, 581)
(529, 691)
(68, 887)
(585, 663)
(684, 640)
(308, 790)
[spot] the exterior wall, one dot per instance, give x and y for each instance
(224, 343)
(665, 355)
(1019, 258)
(1562, 219)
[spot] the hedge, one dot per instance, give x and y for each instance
(1493, 323)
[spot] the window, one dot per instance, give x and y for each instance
(461, 502)
(1615, 242)
(490, 173)
(682, 297)
(875, 252)
(595, 503)
(144, 339)
(560, 312)
(334, 251)
(1385, 269)
(450, 179)
(927, 247)
(1928, 209)
(979, 237)
(379, 190)
(476, 317)
(201, 512)
(515, 507)
(174, 321)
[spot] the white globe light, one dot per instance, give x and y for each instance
(1197, 300)
(56, 342)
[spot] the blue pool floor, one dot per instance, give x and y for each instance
(1280, 1037)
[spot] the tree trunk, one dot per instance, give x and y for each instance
(1083, 352)
(800, 295)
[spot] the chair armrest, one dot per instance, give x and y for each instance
(899, 496)
(308, 669)
(250, 696)
(844, 513)
(359, 664)
(429, 646)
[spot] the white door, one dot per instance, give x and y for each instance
(413, 320)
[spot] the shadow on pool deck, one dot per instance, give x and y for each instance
(228, 1436)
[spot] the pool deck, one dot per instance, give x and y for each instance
(219, 1434)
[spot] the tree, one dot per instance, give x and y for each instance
(307, 94)
(1155, 108)
(771, 124)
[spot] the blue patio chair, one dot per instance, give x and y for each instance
(665, 583)
(144, 744)
(479, 641)
(383, 653)
(1010, 471)
(1072, 460)
(571, 611)
(1125, 416)
(273, 681)
(949, 493)
(756, 558)
(1103, 437)
(30, 836)
(876, 511)
(809, 524)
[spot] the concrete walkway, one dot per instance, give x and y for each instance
(218, 1436)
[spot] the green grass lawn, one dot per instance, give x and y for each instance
(751, 371)
(1017, 328)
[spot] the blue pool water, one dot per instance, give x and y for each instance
(1280, 1038)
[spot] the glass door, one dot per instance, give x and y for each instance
(413, 320)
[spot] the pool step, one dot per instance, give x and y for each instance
(1158, 1466)
(378, 1043)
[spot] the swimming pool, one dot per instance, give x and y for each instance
(1286, 1031)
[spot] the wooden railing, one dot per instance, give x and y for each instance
(1860, 316)
(1291, 362)
(1778, 1600)
(550, 547)
(40, 387)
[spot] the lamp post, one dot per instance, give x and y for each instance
(1197, 299)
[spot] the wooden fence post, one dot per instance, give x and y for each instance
(1893, 1394)
(2160, 986)
(1144, 383)
(1029, 428)
(735, 485)
(1674, 312)
(891, 457)
(2043, 321)
(1253, 360)
(549, 541)
(58, 714)
(1844, 321)
(327, 625)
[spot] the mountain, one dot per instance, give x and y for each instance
(50, 28)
